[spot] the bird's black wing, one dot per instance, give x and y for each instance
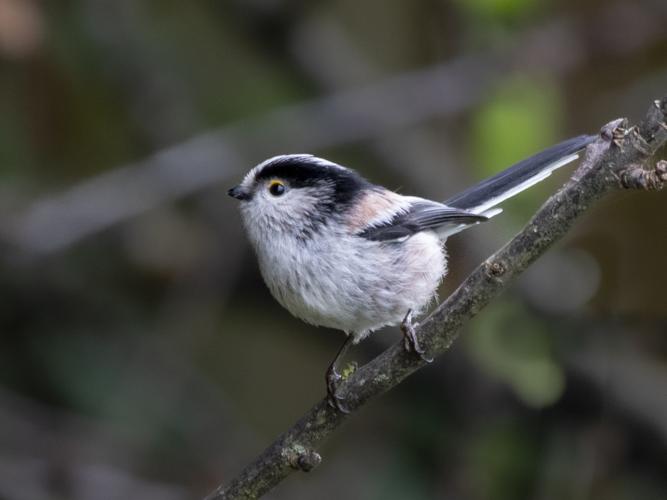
(419, 216)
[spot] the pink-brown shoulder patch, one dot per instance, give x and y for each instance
(371, 207)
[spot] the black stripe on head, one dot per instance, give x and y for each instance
(309, 171)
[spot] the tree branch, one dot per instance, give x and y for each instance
(617, 160)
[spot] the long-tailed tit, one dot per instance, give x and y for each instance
(338, 251)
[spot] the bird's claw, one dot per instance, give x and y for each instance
(410, 340)
(335, 401)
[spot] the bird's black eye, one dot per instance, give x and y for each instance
(276, 188)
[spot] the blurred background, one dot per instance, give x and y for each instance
(141, 356)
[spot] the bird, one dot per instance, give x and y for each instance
(338, 251)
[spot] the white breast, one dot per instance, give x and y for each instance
(350, 283)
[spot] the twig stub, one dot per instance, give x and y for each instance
(302, 458)
(638, 177)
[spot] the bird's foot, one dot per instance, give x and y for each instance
(410, 340)
(333, 379)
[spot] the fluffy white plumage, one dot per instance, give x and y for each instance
(338, 279)
(340, 252)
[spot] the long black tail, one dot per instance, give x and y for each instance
(494, 190)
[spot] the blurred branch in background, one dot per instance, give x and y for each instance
(373, 111)
(75, 454)
(77, 451)
(55, 223)
(619, 159)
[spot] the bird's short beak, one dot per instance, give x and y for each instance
(239, 193)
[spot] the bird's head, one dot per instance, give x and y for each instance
(295, 195)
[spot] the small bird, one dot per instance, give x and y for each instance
(338, 251)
